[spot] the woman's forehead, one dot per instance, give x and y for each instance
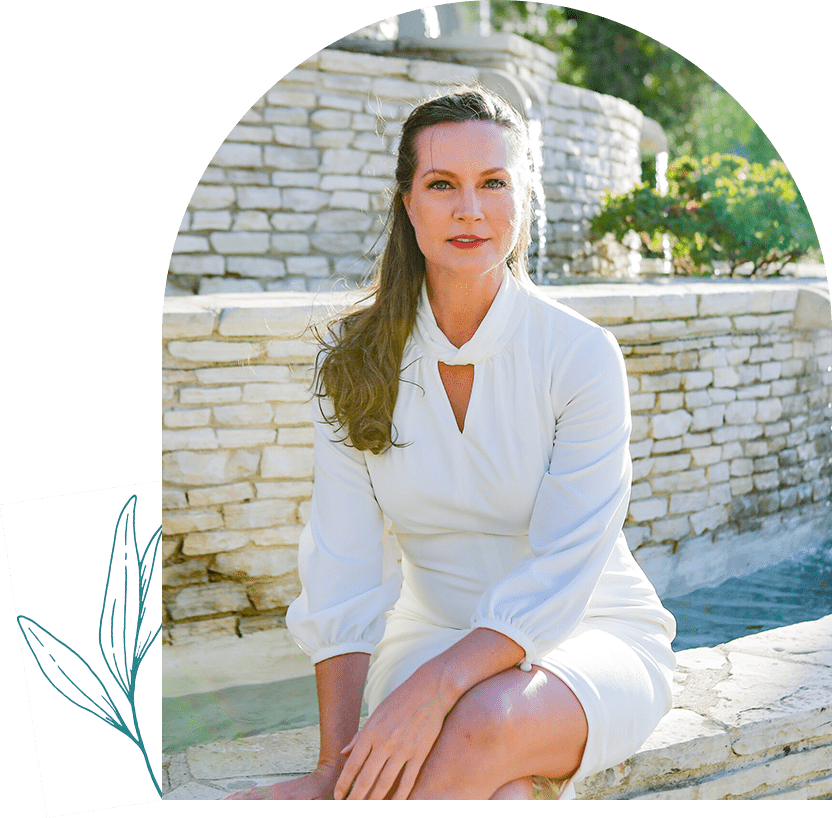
(471, 142)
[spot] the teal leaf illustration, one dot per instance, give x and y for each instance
(69, 674)
(150, 594)
(118, 628)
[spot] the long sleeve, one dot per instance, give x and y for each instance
(348, 569)
(581, 504)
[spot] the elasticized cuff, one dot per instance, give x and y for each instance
(339, 650)
(516, 635)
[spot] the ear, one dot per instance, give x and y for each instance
(406, 203)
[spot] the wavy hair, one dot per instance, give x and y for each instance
(358, 367)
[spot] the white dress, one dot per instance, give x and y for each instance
(513, 524)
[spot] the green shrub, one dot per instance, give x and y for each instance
(718, 209)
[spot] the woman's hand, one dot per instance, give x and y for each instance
(319, 785)
(386, 755)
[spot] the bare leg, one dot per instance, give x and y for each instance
(519, 790)
(508, 727)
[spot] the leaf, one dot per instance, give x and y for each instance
(150, 598)
(118, 629)
(69, 674)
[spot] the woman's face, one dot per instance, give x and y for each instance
(466, 200)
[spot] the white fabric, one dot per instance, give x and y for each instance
(513, 524)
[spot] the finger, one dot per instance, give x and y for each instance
(365, 779)
(407, 781)
(348, 749)
(386, 780)
(358, 755)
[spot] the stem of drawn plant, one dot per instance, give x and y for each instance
(138, 739)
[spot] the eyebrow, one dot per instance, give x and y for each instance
(441, 172)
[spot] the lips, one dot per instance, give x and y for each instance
(465, 242)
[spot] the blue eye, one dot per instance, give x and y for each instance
(496, 183)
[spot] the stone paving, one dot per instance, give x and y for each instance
(753, 720)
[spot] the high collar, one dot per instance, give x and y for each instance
(491, 336)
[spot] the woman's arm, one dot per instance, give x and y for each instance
(400, 733)
(340, 682)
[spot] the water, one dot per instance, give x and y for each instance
(796, 590)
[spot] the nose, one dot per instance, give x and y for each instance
(468, 205)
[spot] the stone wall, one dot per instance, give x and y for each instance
(731, 385)
(296, 195)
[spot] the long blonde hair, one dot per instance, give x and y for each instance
(359, 365)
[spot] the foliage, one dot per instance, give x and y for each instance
(719, 208)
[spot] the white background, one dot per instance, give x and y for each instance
(59, 553)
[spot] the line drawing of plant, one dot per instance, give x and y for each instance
(125, 634)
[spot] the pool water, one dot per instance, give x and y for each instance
(795, 590)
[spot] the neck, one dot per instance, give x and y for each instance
(459, 305)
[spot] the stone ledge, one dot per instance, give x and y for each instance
(753, 720)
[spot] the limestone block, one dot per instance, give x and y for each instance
(190, 244)
(190, 572)
(186, 468)
(173, 439)
(238, 155)
(211, 220)
(181, 320)
(212, 197)
(285, 489)
(668, 382)
(295, 436)
(286, 115)
(292, 414)
(287, 392)
(707, 417)
(698, 400)
(186, 633)
(181, 419)
(173, 498)
(314, 266)
(692, 381)
(275, 593)
(197, 264)
(652, 509)
(671, 424)
(709, 519)
(688, 501)
(215, 495)
(257, 562)
(258, 514)
(670, 464)
(338, 243)
(232, 242)
(184, 522)
(683, 741)
(294, 136)
(257, 267)
(243, 414)
(667, 445)
(304, 200)
(213, 542)
(219, 394)
(291, 351)
(204, 600)
(282, 157)
(670, 529)
(287, 462)
(740, 412)
(288, 535)
(665, 306)
(258, 198)
(210, 350)
(678, 481)
(335, 139)
(289, 243)
(342, 160)
(222, 284)
(249, 133)
(332, 120)
(282, 96)
(245, 438)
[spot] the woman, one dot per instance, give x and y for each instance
(518, 642)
